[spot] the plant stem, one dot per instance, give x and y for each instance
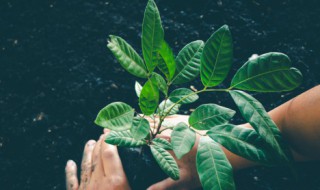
(162, 117)
(165, 129)
(197, 92)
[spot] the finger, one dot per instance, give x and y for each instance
(106, 130)
(71, 176)
(86, 165)
(111, 161)
(166, 184)
(97, 167)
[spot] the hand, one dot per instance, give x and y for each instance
(101, 168)
(171, 120)
(189, 178)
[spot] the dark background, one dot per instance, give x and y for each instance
(56, 73)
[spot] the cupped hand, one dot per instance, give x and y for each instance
(189, 178)
(101, 168)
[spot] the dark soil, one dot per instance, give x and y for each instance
(56, 73)
(141, 168)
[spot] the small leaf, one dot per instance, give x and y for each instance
(163, 143)
(215, 171)
(149, 98)
(140, 128)
(217, 57)
(116, 116)
(160, 82)
(243, 142)
(253, 111)
(152, 35)
(166, 162)
(270, 72)
(183, 96)
(127, 56)
(207, 116)
(123, 138)
(182, 139)
(165, 106)
(188, 62)
(169, 66)
(137, 88)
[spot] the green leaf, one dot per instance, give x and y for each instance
(253, 111)
(137, 88)
(270, 72)
(161, 83)
(182, 139)
(163, 143)
(183, 96)
(188, 62)
(116, 116)
(152, 35)
(168, 65)
(127, 56)
(166, 162)
(165, 106)
(243, 142)
(207, 116)
(140, 128)
(217, 57)
(215, 171)
(123, 138)
(149, 98)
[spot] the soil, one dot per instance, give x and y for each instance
(56, 74)
(141, 168)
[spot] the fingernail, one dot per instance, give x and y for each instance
(70, 163)
(91, 142)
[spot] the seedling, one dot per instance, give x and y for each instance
(270, 72)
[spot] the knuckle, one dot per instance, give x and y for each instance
(85, 166)
(117, 181)
(108, 153)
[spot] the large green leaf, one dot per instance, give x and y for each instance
(166, 162)
(123, 138)
(253, 111)
(215, 171)
(182, 139)
(183, 96)
(188, 62)
(140, 128)
(167, 65)
(243, 142)
(152, 35)
(163, 143)
(116, 116)
(149, 97)
(207, 116)
(217, 57)
(165, 106)
(127, 56)
(137, 88)
(161, 83)
(270, 72)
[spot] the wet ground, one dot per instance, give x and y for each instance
(56, 73)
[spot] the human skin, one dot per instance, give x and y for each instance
(101, 168)
(299, 123)
(298, 120)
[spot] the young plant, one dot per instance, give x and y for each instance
(270, 72)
